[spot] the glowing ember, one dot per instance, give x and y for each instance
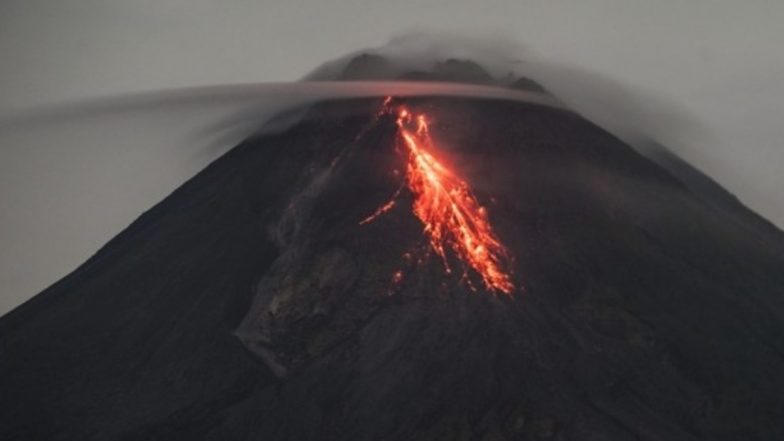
(443, 202)
(382, 209)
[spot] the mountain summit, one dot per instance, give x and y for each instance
(253, 303)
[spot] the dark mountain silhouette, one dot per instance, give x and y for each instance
(370, 66)
(366, 67)
(250, 305)
(702, 185)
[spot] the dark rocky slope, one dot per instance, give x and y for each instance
(249, 305)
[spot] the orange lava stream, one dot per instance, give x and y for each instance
(451, 214)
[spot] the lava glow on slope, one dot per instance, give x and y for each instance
(452, 217)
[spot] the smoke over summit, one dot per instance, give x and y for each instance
(637, 115)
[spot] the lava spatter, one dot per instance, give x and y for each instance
(452, 216)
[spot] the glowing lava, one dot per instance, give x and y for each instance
(453, 218)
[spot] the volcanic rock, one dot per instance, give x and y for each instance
(250, 304)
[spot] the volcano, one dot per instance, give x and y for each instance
(254, 303)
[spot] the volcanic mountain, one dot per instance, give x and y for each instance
(254, 303)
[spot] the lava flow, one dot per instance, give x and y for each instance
(444, 203)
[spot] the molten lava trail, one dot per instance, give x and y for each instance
(452, 217)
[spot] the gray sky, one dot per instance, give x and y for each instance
(704, 77)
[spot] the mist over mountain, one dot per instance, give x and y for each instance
(436, 67)
(251, 303)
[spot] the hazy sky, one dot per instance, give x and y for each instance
(717, 65)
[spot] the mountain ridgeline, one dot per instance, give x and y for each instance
(251, 305)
